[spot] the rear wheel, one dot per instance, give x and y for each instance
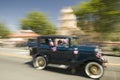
(94, 70)
(39, 62)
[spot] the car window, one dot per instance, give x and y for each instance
(74, 41)
(62, 43)
(43, 41)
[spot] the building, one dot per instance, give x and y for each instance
(25, 34)
(20, 39)
(68, 22)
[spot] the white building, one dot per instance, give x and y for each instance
(68, 22)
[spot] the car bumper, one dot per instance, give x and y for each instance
(104, 62)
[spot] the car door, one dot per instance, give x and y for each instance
(64, 55)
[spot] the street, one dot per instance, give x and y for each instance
(20, 68)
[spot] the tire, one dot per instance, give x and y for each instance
(94, 70)
(31, 51)
(39, 62)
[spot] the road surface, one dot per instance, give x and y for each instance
(15, 67)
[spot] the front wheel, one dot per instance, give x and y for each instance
(39, 62)
(94, 70)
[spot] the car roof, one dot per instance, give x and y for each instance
(56, 36)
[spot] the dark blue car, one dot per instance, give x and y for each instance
(66, 50)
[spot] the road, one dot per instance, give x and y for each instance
(19, 68)
(113, 69)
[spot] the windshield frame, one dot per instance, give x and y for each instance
(74, 41)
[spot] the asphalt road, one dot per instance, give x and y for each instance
(15, 67)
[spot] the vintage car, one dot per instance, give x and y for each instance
(65, 50)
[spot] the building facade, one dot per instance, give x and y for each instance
(68, 22)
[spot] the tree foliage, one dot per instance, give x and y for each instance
(103, 15)
(4, 32)
(38, 22)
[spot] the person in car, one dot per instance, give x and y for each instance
(61, 43)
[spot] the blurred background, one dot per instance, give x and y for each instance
(94, 21)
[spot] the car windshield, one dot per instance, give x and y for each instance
(74, 41)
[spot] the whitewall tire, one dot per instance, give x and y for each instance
(94, 70)
(39, 62)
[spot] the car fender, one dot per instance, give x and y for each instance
(43, 55)
(84, 61)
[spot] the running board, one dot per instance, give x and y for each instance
(58, 66)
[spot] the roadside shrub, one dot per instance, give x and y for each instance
(116, 48)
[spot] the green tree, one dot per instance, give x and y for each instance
(39, 23)
(103, 15)
(4, 32)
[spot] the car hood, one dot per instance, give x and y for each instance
(86, 47)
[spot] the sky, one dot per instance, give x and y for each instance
(12, 11)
